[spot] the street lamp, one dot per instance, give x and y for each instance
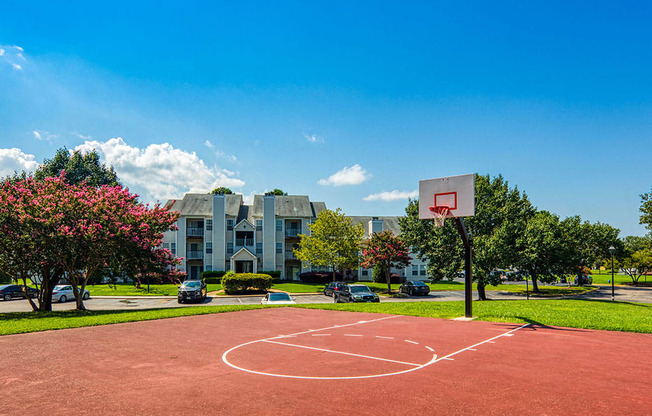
(612, 250)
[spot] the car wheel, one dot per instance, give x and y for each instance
(86, 295)
(179, 300)
(62, 299)
(335, 299)
(7, 297)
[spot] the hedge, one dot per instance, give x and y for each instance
(320, 277)
(276, 274)
(237, 283)
(213, 276)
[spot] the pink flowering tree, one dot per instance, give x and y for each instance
(385, 251)
(74, 231)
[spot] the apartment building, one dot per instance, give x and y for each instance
(221, 232)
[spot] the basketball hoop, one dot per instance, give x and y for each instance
(440, 213)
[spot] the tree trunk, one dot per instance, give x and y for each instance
(482, 295)
(333, 268)
(389, 280)
(535, 285)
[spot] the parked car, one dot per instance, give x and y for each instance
(414, 287)
(355, 293)
(63, 293)
(192, 290)
(333, 287)
(278, 299)
(8, 292)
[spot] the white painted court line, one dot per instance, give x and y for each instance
(344, 353)
(321, 335)
(378, 336)
(352, 335)
(411, 342)
(430, 349)
(488, 341)
(323, 329)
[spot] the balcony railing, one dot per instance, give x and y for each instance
(194, 232)
(292, 232)
(289, 255)
(240, 242)
(194, 255)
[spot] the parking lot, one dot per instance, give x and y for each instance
(623, 294)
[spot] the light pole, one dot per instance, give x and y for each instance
(612, 250)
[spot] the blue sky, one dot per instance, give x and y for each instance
(351, 103)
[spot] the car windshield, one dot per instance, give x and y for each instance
(60, 287)
(357, 289)
(419, 284)
(193, 283)
(279, 296)
(4, 287)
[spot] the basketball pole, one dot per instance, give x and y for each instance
(468, 278)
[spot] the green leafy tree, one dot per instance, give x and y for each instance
(277, 192)
(78, 167)
(636, 258)
(646, 210)
(543, 248)
(222, 191)
(386, 251)
(334, 241)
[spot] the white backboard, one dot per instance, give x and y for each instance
(455, 192)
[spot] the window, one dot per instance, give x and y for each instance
(173, 248)
(279, 225)
(365, 272)
(209, 248)
(229, 224)
(208, 267)
(227, 265)
(209, 225)
(229, 248)
(422, 271)
(166, 245)
(279, 248)
(259, 225)
(259, 248)
(415, 270)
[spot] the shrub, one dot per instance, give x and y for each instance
(213, 276)
(237, 283)
(379, 277)
(276, 274)
(319, 277)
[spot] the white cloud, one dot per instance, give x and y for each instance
(208, 144)
(354, 175)
(10, 55)
(14, 160)
(159, 171)
(44, 135)
(394, 195)
(313, 138)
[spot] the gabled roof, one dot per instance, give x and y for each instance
(202, 205)
(253, 256)
(389, 223)
(289, 206)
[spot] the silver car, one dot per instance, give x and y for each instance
(63, 293)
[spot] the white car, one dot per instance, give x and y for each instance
(63, 293)
(278, 299)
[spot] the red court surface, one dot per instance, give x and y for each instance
(312, 362)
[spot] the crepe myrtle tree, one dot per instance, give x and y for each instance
(385, 251)
(75, 230)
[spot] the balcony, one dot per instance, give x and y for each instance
(194, 232)
(242, 242)
(289, 255)
(194, 255)
(292, 232)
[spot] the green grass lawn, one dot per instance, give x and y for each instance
(128, 289)
(604, 278)
(606, 315)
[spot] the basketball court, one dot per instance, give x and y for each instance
(309, 362)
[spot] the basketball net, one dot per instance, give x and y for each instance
(440, 213)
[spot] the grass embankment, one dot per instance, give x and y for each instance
(171, 290)
(606, 315)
